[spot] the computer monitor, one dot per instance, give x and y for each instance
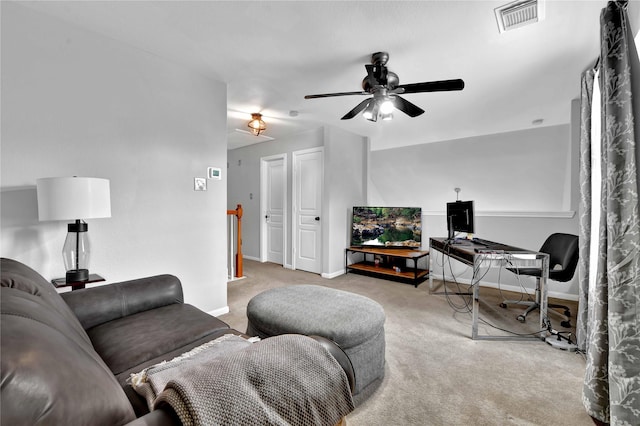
(459, 217)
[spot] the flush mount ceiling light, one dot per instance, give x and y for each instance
(518, 14)
(257, 125)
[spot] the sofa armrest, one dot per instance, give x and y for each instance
(97, 305)
(340, 355)
(160, 417)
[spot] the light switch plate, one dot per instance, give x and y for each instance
(199, 184)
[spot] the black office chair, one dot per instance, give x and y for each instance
(563, 260)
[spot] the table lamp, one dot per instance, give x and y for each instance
(74, 198)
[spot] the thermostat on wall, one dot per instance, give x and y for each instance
(214, 173)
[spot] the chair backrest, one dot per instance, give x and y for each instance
(562, 250)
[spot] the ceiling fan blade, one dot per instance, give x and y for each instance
(431, 86)
(407, 107)
(357, 110)
(328, 95)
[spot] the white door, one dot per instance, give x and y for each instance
(307, 208)
(273, 201)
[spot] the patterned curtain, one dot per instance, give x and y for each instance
(609, 275)
(586, 97)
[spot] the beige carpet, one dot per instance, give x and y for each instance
(435, 373)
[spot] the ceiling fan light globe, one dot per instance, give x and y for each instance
(371, 112)
(386, 107)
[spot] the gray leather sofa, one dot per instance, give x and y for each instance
(66, 357)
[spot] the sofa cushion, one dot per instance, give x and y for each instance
(19, 276)
(151, 381)
(50, 373)
(137, 402)
(130, 341)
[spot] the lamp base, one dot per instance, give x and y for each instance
(77, 275)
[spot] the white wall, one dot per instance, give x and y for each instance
(77, 103)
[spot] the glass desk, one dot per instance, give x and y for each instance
(474, 255)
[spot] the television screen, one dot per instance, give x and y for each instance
(460, 217)
(387, 226)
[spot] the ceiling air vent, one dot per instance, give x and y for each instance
(519, 13)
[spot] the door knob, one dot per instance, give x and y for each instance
(317, 217)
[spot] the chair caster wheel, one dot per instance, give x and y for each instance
(566, 324)
(521, 318)
(503, 305)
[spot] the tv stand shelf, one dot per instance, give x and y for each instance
(383, 263)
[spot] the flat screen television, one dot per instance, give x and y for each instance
(393, 227)
(460, 217)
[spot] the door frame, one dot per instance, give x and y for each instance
(263, 206)
(294, 205)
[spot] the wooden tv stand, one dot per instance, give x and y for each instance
(382, 262)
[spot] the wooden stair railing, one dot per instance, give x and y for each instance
(238, 258)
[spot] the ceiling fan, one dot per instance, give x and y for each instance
(383, 85)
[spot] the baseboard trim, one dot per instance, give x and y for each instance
(332, 275)
(220, 311)
(244, 256)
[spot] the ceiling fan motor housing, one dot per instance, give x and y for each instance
(380, 58)
(391, 83)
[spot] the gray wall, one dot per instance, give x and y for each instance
(345, 174)
(524, 186)
(515, 171)
(76, 103)
(244, 183)
(344, 186)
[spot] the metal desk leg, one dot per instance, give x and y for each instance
(432, 254)
(430, 268)
(543, 293)
(476, 300)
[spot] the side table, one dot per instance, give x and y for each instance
(62, 282)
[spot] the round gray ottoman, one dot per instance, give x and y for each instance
(354, 322)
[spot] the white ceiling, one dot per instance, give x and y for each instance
(272, 53)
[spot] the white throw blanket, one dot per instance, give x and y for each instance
(283, 380)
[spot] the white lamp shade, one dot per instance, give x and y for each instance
(71, 198)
